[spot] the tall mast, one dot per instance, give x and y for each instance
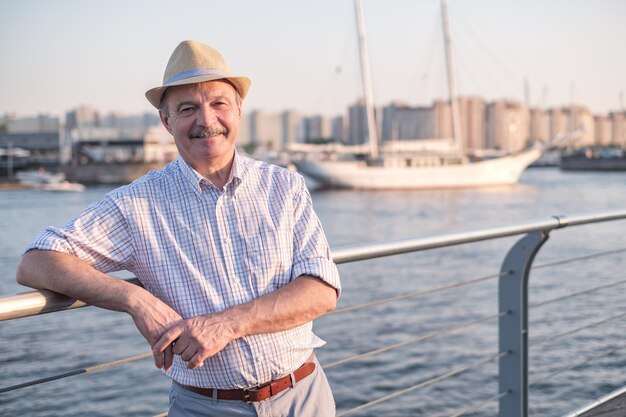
(367, 81)
(454, 102)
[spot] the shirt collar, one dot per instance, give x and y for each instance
(198, 182)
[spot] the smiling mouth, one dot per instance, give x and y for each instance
(206, 132)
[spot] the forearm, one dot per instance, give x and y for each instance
(299, 302)
(200, 337)
(68, 275)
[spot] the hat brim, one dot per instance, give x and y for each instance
(241, 84)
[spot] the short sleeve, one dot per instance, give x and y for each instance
(99, 236)
(312, 254)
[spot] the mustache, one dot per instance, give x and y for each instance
(204, 132)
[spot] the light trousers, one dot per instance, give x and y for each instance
(311, 397)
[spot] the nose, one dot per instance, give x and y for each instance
(206, 116)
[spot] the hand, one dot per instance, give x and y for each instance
(153, 318)
(195, 339)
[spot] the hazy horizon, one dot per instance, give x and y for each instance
(303, 56)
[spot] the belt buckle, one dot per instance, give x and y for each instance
(246, 395)
(247, 391)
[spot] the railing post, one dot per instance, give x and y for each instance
(513, 326)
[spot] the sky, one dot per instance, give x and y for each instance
(302, 55)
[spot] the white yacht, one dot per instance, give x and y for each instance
(395, 167)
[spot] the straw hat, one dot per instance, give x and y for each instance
(193, 62)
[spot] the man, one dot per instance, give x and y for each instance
(232, 258)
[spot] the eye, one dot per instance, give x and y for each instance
(221, 102)
(186, 109)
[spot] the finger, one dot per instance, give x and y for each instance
(178, 347)
(196, 361)
(168, 358)
(188, 354)
(167, 339)
(158, 359)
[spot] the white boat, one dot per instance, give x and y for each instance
(405, 169)
(404, 172)
(46, 181)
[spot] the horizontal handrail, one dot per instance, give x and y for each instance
(381, 249)
(32, 303)
(40, 302)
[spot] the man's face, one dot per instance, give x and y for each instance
(204, 120)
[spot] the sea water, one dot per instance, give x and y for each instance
(46, 345)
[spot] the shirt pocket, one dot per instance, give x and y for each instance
(269, 255)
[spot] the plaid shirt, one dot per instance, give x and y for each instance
(202, 250)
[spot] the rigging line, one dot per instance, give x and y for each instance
(424, 66)
(479, 405)
(490, 42)
(76, 372)
(413, 340)
(336, 79)
(423, 384)
(416, 294)
(485, 66)
(572, 367)
(472, 86)
(549, 339)
(574, 294)
(579, 258)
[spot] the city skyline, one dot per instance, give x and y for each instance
(304, 56)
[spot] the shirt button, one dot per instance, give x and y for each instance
(259, 358)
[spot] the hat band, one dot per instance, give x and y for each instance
(194, 73)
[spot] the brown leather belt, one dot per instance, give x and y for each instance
(259, 393)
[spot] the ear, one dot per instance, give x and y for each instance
(239, 108)
(165, 120)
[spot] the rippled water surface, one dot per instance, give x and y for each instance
(38, 347)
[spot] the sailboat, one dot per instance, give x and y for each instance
(392, 168)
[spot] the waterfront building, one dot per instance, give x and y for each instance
(403, 122)
(42, 123)
(618, 128)
(602, 130)
(507, 126)
(442, 118)
(105, 145)
(291, 128)
(265, 130)
(357, 123)
(580, 123)
(472, 111)
(43, 148)
(131, 125)
(572, 126)
(158, 145)
(82, 116)
(338, 129)
(496, 129)
(558, 123)
(114, 138)
(243, 138)
(37, 137)
(316, 128)
(539, 125)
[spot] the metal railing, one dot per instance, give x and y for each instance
(512, 354)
